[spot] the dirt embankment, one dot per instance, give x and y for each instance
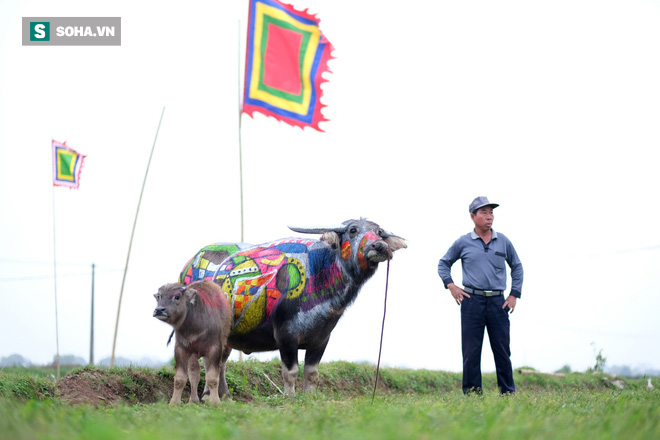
(106, 387)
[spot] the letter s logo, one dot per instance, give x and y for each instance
(39, 31)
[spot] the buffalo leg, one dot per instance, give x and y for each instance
(193, 377)
(311, 371)
(289, 369)
(180, 374)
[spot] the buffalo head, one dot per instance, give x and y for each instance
(361, 241)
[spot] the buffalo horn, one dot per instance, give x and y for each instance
(340, 229)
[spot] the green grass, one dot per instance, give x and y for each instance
(409, 404)
(565, 414)
(26, 386)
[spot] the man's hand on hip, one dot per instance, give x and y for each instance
(510, 302)
(457, 293)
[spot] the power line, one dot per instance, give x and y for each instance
(51, 276)
(625, 251)
(596, 331)
(641, 249)
(613, 252)
(34, 263)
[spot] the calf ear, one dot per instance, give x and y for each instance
(332, 238)
(190, 295)
(395, 243)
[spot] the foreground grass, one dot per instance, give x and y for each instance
(417, 404)
(565, 414)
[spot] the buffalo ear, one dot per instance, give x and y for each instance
(395, 243)
(331, 238)
(190, 295)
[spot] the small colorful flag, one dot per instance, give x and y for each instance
(285, 57)
(67, 164)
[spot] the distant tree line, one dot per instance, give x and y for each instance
(16, 360)
(632, 372)
(619, 370)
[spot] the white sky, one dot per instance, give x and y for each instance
(549, 108)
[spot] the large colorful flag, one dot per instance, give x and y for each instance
(67, 164)
(285, 57)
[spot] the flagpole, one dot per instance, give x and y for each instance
(240, 113)
(130, 243)
(240, 142)
(57, 333)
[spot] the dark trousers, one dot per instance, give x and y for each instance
(479, 312)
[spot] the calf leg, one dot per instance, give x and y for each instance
(223, 388)
(212, 375)
(193, 377)
(180, 374)
(311, 371)
(206, 391)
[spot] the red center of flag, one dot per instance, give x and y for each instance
(282, 60)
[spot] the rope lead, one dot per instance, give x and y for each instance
(382, 330)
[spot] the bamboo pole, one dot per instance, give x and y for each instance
(130, 243)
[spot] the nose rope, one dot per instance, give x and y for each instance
(382, 330)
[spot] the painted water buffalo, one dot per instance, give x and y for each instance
(201, 318)
(289, 294)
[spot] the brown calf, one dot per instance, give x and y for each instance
(201, 318)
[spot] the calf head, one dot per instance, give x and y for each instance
(361, 243)
(173, 300)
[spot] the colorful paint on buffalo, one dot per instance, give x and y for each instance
(207, 260)
(346, 250)
(368, 237)
(258, 279)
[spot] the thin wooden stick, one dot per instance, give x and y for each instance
(278, 388)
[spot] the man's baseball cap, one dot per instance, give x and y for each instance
(480, 202)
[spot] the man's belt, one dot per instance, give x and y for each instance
(483, 292)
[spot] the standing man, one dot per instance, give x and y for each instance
(482, 253)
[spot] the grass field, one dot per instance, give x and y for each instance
(415, 404)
